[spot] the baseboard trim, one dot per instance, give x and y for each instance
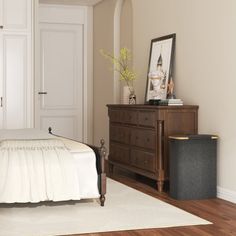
(226, 194)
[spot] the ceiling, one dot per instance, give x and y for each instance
(72, 2)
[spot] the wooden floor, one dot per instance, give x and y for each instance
(221, 213)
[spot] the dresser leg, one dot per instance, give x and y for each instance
(111, 168)
(160, 185)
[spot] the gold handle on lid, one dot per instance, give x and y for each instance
(179, 137)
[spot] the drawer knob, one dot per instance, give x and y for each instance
(146, 118)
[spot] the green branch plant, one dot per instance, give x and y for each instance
(121, 65)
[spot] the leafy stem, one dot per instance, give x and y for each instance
(121, 65)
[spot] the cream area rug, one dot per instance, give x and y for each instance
(125, 209)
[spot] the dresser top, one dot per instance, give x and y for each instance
(144, 106)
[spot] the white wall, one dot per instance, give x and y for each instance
(205, 71)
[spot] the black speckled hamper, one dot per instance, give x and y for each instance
(193, 166)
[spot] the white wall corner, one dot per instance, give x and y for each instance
(226, 194)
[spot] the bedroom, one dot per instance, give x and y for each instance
(204, 71)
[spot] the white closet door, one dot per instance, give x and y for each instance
(16, 14)
(1, 64)
(1, 81)
(14, 83)
(16, 80)
(1, 14)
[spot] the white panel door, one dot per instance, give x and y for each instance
(16, 14)
(1, 64)
(1, 81)
(14, 81)
(1, 14)
(59, 98)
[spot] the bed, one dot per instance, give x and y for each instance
(37, 166)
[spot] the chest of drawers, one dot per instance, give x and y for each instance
(139, 137)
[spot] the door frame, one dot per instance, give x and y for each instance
(87, 22)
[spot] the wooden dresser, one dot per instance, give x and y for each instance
(139, 137)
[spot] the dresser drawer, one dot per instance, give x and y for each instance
(143, 160)
(146, 118)
(143, 138)
(120, 134)
(130, 117)
(119, 153)
(116, 115)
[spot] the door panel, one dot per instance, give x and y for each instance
(61, 80)
(60, 68)
(16, 14)
(65, 125)
(14, 81)
(1, 13)
(1, 80)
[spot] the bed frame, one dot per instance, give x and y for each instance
(100, 164)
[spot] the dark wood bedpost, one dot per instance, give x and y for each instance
(103, 153)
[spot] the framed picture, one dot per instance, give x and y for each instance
(160, 67)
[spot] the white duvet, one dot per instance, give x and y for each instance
(38, 168)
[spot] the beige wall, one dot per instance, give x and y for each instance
(204, 68)
(126, 33)
(126, 25)
(205, 71)
(103, 75)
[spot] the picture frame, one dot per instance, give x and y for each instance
(160, 67)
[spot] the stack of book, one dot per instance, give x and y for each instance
(171, 102)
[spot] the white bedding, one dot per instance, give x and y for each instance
(30, 171)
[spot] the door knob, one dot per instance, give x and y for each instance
(42, 93)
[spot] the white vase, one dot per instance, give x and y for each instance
(125, 95)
